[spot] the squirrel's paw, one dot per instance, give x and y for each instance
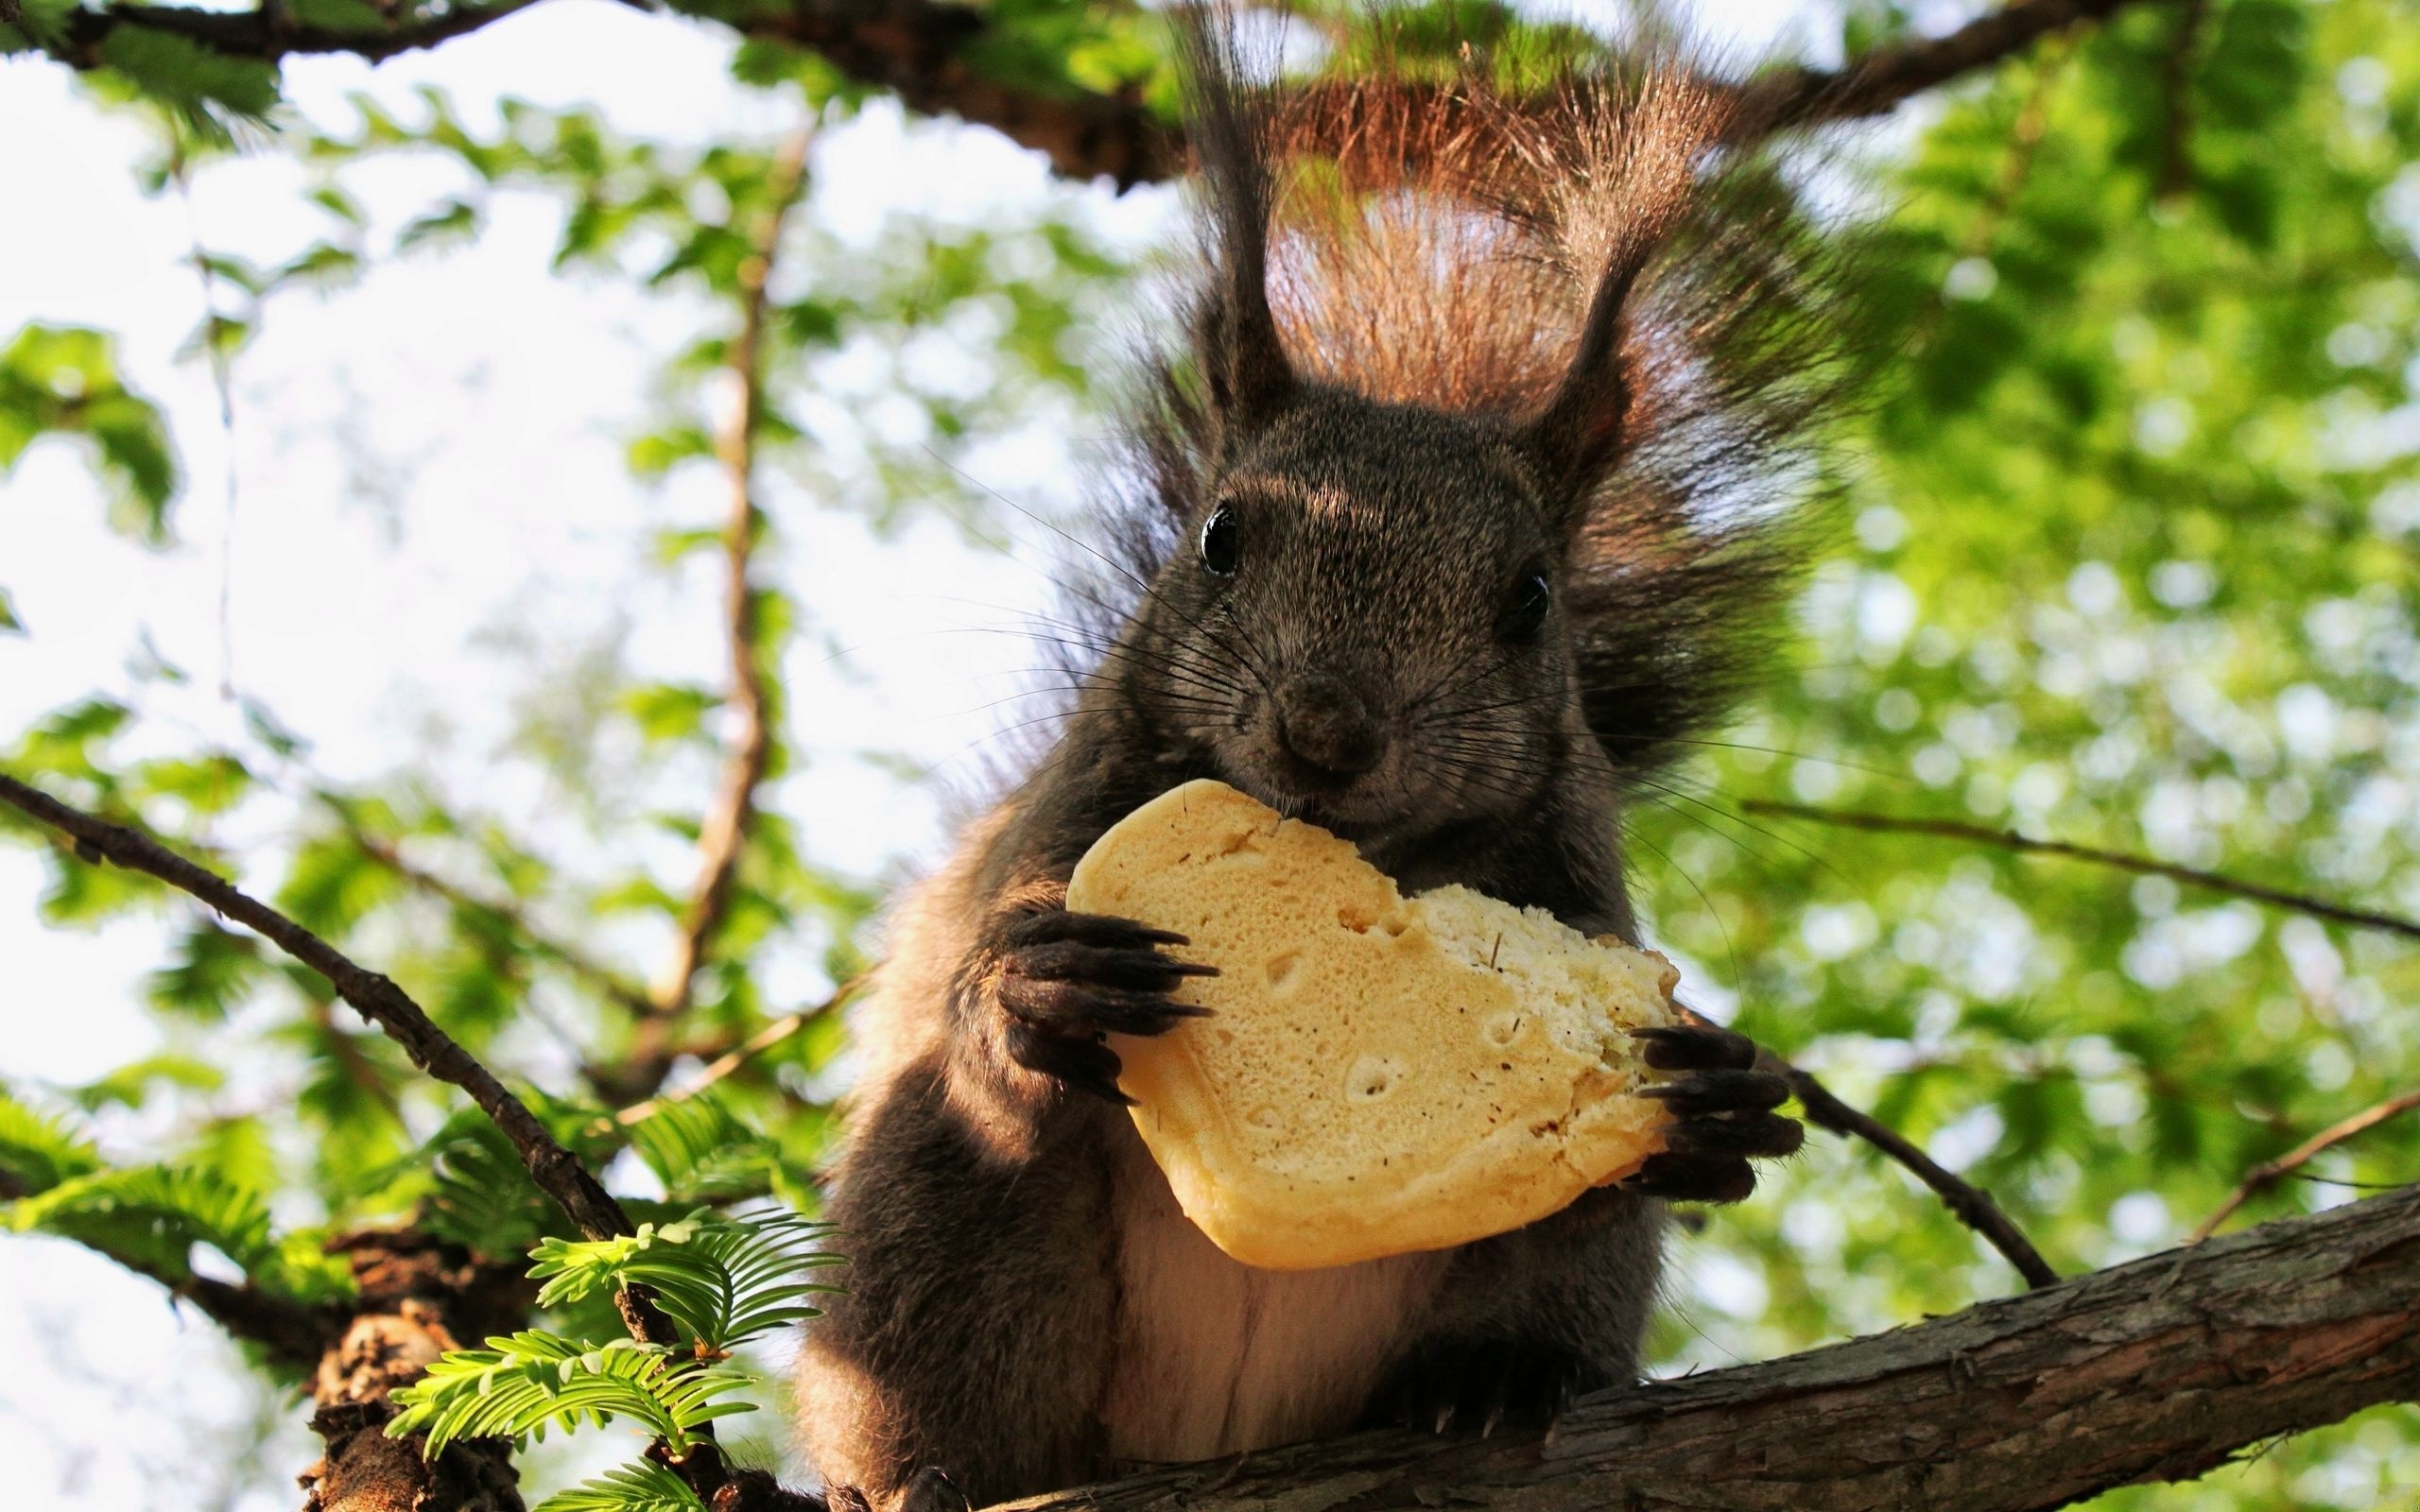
(1722, 1114)
(1484, 1386)
(1066, 980)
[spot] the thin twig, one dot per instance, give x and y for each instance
(2024, 147)
(1972, 1206)
(607, 981)
(2176, 79)
(723, 835)
(222, 380)
(2141, 865)
(2268, 1173)
(740, 1054)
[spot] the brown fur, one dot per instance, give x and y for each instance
(1444, 340)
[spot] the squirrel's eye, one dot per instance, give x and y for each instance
(1222, 546)
(1524, 612)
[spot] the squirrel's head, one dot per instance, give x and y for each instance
(1366, 628)
(1362, 624)
(1467, 476)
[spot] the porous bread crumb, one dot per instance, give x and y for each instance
(1378, 1075)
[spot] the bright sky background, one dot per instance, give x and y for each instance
(432, 505)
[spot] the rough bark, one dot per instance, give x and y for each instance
(419, 1298)
(2156, 1370)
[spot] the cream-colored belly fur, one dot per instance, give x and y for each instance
(1215, 1357)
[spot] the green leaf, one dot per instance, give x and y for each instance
(483, 1198)
(149, 1218)
(339, 15)
(64, 380)
(206, 784)
(10, 624)
(39, 1151)
(640, 1487)
(520, 1386)
(454, 223)
(723, 1280)
(208, 972)
(207, 90)
(669, 710)
(133, 1084)
(701, 1152)
(40, 23)
(323, 265)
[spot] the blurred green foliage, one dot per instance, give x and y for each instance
(2129, 556)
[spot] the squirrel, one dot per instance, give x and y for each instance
(1455, 510)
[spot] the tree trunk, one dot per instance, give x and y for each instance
(416, 1295)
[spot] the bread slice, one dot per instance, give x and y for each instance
(1377, 1074)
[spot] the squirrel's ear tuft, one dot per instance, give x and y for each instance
(1623, 182)
(1227, 122)
(1578, 434)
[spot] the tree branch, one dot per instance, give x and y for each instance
(418, 1299)
(724, 834)
(289, 1335)
(391, 1348)
(1884, 79)
(557, 1171)
(1970, 1204)
(2268, 1173)
(2156, 1370)
(2141, 865)
(271, 34)
(940, 58)
(931, 54)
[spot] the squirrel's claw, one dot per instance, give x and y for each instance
(1066, 980)
(1484, 1386)
(1721, 1092)
(1722, 1115)
(1695, 1047)
(1692, 1177)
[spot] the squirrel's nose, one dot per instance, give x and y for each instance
(1323, 722)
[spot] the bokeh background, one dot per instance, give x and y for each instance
(356, 518)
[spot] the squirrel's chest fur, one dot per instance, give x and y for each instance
(1215, 1357)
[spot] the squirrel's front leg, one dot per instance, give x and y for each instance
(1042, 986)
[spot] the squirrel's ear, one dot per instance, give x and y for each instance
(1243, 359)
(1578, 434)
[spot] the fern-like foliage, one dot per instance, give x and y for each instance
(702, 1152)
(474, 1188)
(521, 1385)
(642, 1487)
(149, 1218)
(722, 1279)
(481, 1195)
(39, 1151)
